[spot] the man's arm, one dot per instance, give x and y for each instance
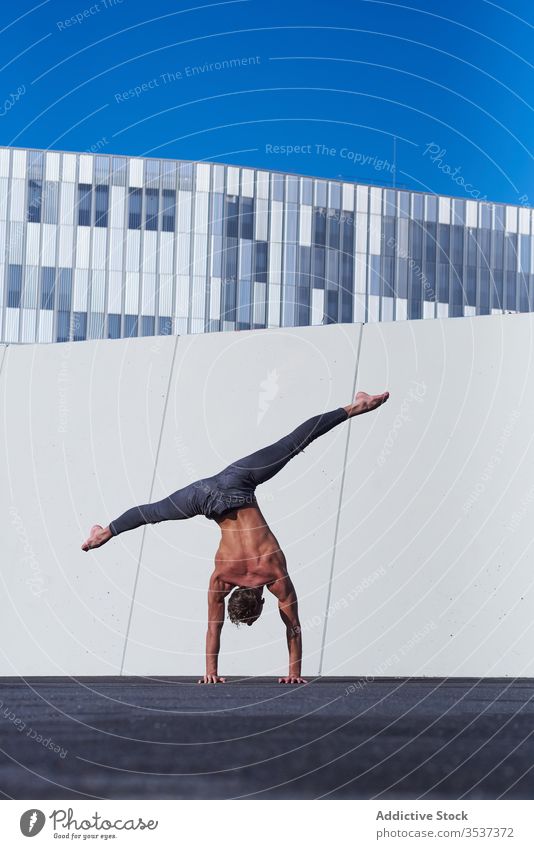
(216, 595)
(284, 590)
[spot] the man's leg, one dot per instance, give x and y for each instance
(262, 465)
(179, 505)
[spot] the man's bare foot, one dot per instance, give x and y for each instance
(364, 403)
(97, 537)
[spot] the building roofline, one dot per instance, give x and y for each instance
(268, 170)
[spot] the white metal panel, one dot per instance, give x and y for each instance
(135, 179)
(117, 207)
(45, 331)
(18, 164)
(510, 219)
(148, 299)
(52, 165)
(99, 247)
(247, 182)
(165, 294)
(12, 317)
(82, 247)
(361, 233)
(4, 197)
(201, 212)
(98, 291)
(277, 208)
(215, 298)
(232, 180)
(67, 210)
(149, 251)
(80, 290)
(184, 206)
(444, 210)
(114, 291)
(166, 253)
(66, 237)
(471, 213)
(375, 230)
(69, 167)
(347, 202)
(275, 263)
(182, 295)
(85, 169)
(131, 300)
(4, 161)
(48, 244)
(262, 184)
(373, 308)
(16, 242)
(28, 325)
(17, 197)
(116, 249)
(203, 177)
(317, 306)
(133, 242)
(33, 232)
(183, 250)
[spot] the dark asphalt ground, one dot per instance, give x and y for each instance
(141, 738)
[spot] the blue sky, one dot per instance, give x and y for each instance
(306, 87)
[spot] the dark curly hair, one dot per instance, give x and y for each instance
(244, 605)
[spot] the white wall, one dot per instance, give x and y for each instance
(413, 558)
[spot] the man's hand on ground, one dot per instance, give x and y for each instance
(212, 679)
(292, 679)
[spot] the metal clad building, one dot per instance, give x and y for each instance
(95, 246)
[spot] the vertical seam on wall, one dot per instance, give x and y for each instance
(141, 548)
(2, 358)
(340, 501)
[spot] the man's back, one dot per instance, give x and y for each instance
(249, 554)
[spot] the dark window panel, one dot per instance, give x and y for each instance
(388, 276)
(457, 290)
(510, 251)
(523, 293)
(101, 206)
(415, 309)
(244, 297)
(429, 282)
(402, 278)
(416, 240)
(135, 202)
(48, 278)
(14, 285)
(430, 241)
(168, 210)
(130, 325)
(457, 237)
(151, 209)
(497, 287)
(260, 273)
(484, 248)
(63, 326)
(388, 235)
(374, 275)
(64, 288)
(228, 300)
(114, 326)
(484, 294)
(472, 246)
(471, 287)
(347, 270)
(347, 221)
(319, 226)
(147, 325)
(346, 305)
(415, 288)
(443, 283)
(230, 260)
(331, 307)
(165, 325)
(498, 249)
(79, 326)
(333, 228)
(35, 199)
(444, 243)
(510, 300)
(247, 218)
(84, 204)
(318, 268)
(232, 216)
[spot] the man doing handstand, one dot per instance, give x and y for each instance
(249, 557)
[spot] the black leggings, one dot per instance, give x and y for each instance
(235, 485)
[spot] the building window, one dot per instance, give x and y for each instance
(101, 206)
(64, 288)
(147, 325)
(135, 201)
(84, 204)
(168, 212)
(247, 218)
(164, 325)
(114, 326)
(63, 326)
(319, 227)
(14, 285)
(79, 326)
(130, 325)
(48, 277)
(232, 216)
(35, 200)
(151, 209)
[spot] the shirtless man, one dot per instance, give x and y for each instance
(249, 557)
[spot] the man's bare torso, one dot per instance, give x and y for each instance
(249, 554)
